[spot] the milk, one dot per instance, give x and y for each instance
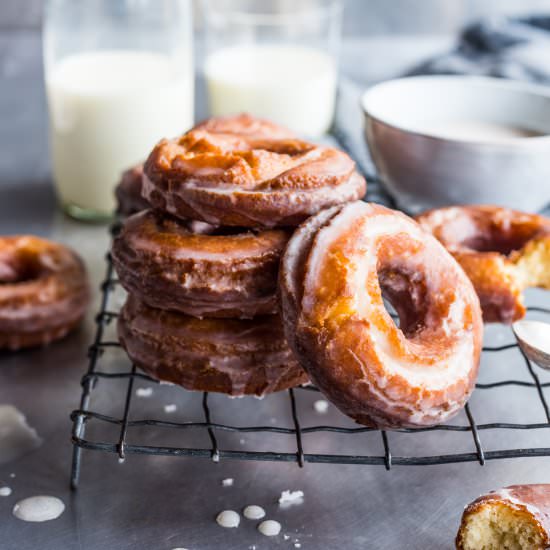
(107, 110)
(292, 85)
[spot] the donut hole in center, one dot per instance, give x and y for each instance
(412, 282)
(486, 235)
(404, 292)
(19, 268)
(503, 243)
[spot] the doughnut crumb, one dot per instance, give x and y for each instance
(288, 498)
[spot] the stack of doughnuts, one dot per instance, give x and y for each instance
(201, 263)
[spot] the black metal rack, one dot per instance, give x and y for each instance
(120, 446)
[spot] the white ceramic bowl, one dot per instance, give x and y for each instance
(441, 140)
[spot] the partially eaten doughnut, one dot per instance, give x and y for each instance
(514, 518)
(503, 252)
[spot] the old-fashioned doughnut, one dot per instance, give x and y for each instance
(128, 192)
(232, 356)
(198, 269)
(247, 180)
(503, 252)
(516, 517)
(336, 270)
(43, 291)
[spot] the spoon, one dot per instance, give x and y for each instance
(534, 339)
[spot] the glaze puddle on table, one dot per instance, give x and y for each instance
(38, 509)
(16, 436)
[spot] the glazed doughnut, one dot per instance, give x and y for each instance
(128, 192)
(516, 517)
(336, 270)
(503, 252)
(247, 181)
(43, 291)
(197, 269)
(231, 356)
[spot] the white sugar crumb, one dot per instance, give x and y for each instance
(5, 491)
(144, 392)
(288, 498)
(321, 406)
(170, 408)
(227, 482)
(286, 537)
(269, 528)
(297, 545)
(254, 512)
(216, 457)
(228, 519)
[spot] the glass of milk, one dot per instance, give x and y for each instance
(275, 59)
(119, 77)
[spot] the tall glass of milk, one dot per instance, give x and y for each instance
(119, 77)
(274, 59)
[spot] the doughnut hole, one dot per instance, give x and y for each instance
(404, 293)
(482, 233)
(496, 525)
(416, 294)
(19, 267)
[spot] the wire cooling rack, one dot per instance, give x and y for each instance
(118, 441)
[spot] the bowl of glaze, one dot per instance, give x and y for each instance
(442, 140)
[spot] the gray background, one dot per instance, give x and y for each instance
(160, 503)
(363, 17)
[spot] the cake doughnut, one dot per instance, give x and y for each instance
(43, 291)
(335, 272)
(128, 192)
(247, 181)
(517, 517)
(232, 356)
(503, 252)
(198, 269)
